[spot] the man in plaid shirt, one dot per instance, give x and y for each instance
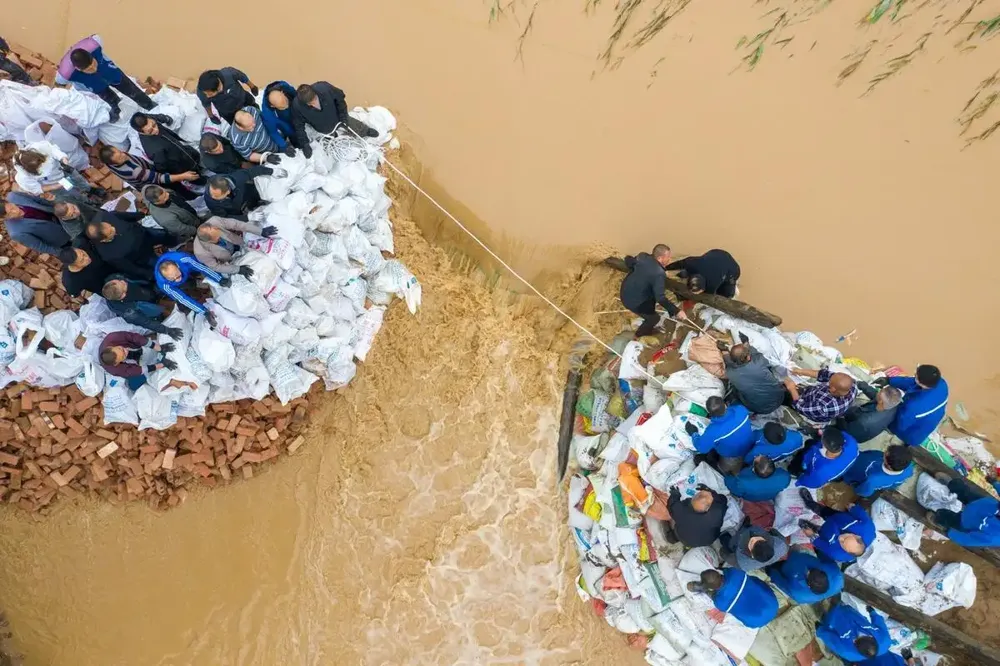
(826, 401)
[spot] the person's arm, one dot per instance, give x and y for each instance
(184, 300)
(870, 391)
(239, 226)
(299, 123)
(216, 265)
(203, 269)
(679, 265)
(244, 80)
(904, 384)
(660, 289)
(28, 182)
(124, 370)
(733, 483)
(30, 241)
(792, 388)
(259, 170)
(803, 372)
(340, 103)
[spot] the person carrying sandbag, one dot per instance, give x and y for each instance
(219, 239)
(121, 354)
(173, 270)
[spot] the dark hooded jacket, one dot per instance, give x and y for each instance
(228, 161)
(243, 196)
(280, 125)
(333, 110)
(168, 153)
(233, 96)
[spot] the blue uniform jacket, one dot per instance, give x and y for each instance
(761, 447)
(842, 625)
(853, 521)
(790, 577)
(748, 599)
(174, 290)
(730, 434)
(278, 123)
(868, 476)
(106, 75)
(980, 526)
(921, 411)
(818, 470)
(752, 488)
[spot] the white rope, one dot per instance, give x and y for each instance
(334, 146)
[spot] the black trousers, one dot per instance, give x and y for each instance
(728, 289)
(128, 88)
(966, 492)
(650, 317)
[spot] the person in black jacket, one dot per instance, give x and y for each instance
(135, 302)
(166, 150)
(697, 521)
(234, 195)
(12, 69)
(218, 154)
(645, 286)
(322, 106)
(715, 272)
(83, 269)
(228, 89)
(126, 246)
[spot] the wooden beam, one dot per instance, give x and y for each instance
(944, 638)
(926, 459)
(570, 393)
(728, 305)
(913, 509)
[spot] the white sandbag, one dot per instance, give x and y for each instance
(60, 368)
(287, 380)
(190, 115)
(695, 384)
(193, 403)
(299, 315)
(155, 411)
(281, 334)
(242, 297)
(381, 235)
(241, 330)
(365, 328)
(889, 568)
(768, 341)
(278, 249)
(394, 278)
(8, 347)
(734, 636)
(705, 475)
(287, 215)
(119, 407)
(630, 367)
(214, 349)
(934, 495)
(355, 291)
(265, 270)
(62, 328)
(16, 293)
(789, 509)
(25, 322)
(949, 586)
(340, 217)
(280, 295)
(888, 518)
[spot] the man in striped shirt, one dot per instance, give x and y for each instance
(173, 270)
(250, 138)
(138, 171)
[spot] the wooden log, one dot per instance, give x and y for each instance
(728, 305)
(944, 639)
(570, 393)
(926, 459)
(913, 509)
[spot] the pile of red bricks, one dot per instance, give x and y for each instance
(53, 442)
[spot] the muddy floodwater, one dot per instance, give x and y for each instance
(847, 160)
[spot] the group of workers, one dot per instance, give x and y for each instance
(834, 415)
(57, 211)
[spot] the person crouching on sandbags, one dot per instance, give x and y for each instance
(715, 272)
(750, 600)
(220, 239)
(645, 286)
(122, 352)
(173, 270)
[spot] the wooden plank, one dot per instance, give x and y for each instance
(570, 393)
(926, 459)
(944, 639)
(721, 303)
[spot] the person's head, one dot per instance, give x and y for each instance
(763, 467)
(66, 211)
(143, 124)
(114, 290)
(209, 233)
(83, 61)
(170, 271)
(841, 384)
(661, 253)
(833, 441)
(696, 283)
(852, 543)
(740, 353)
(866, 645)
(897, 457)
(29, 160)
(111, 155)
(760, 549)
(100, 231)
(888, 398)
(210, 144)
(244, 120)
(210, 83)
(219, 187)
(774, 432)
(715, 406)
(114, 355)
(45, 127)
(711, 580)
(74, 258)
(928, 376)
(277, 99)
(155, 195)
(305, 94)
(702, 501)
(818, 581)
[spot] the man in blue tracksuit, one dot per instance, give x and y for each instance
(978, 524)
(173, 270)
(852, 636)
(276, 112)
(826, 460)
(86, 67)
(774, 441)
(805, 578)
(877, 470)
(748, 599)
(844, 535)
(925, 401)
(760, 482)
(728, 437)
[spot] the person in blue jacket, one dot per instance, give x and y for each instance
(826, 460)
(748, 599)
(774, 441)
(89, 68)
(173, 270)
(760, 482)
(925, 401)
(852, 636)
(729, 435)
(877, 470)
(844, 536)
(978, 524)
(276, 112)
(806, 579)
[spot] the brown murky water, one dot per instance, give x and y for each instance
(421, 524)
